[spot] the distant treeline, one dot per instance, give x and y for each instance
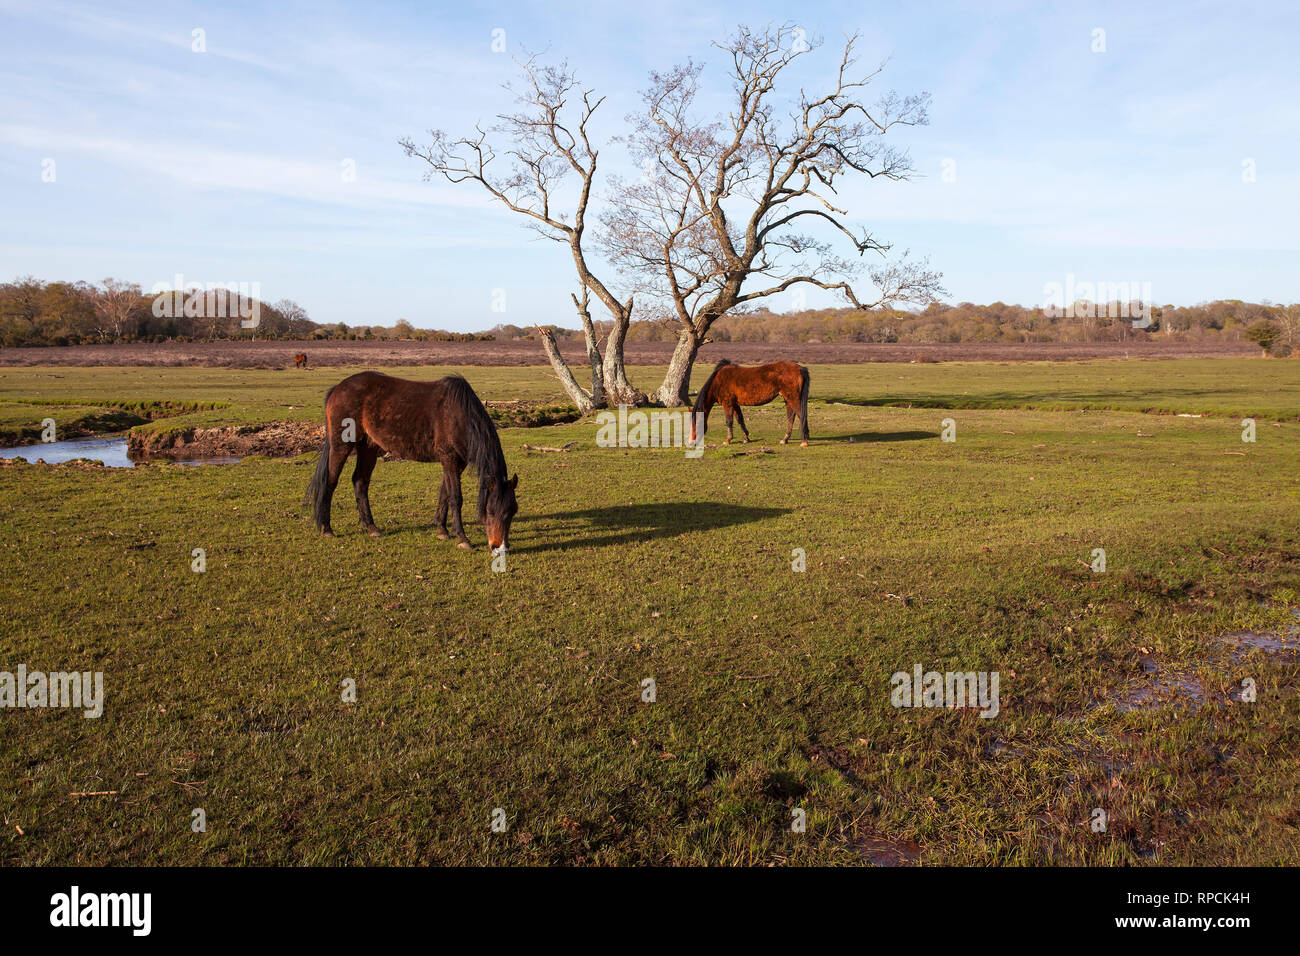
(34, 313)
(1226, 320)
(72, 313)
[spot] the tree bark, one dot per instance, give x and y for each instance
(562, 372)
(593, 351)
(676, 389)
(618, 390)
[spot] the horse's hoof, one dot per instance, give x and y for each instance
(373, 532)
(327, 533)
(443, 536)
(803, 444)
(465, 546)
(783, 441)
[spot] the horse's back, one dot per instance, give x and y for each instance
(398, 414)
(757, 384)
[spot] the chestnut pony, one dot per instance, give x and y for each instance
(443, 421)
(300, 360)
(731, 386)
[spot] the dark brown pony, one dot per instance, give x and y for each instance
(300, 360)
(443, 421)
(731, 386)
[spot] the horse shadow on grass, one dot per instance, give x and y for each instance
(873, 437)
(628, 524)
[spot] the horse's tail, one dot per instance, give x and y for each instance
(315, 496)
(706, 390)
(803, 400)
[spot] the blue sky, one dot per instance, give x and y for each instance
(226, 166)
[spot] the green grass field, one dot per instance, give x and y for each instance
(79, 398)
(522, 690)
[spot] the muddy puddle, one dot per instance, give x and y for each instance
(882, 851)
(1283, 643)
(1165, 690)
(1170, 686)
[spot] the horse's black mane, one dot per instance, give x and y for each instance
(482, 446)
(703, 395)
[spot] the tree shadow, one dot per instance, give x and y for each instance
(626, 524)
(1014, 399)
(873, 437)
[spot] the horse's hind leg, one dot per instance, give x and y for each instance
(338, 453)
(443, 497)
(790, 412)
(367, 455)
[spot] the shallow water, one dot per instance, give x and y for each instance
(1284, 641)
(111, 451)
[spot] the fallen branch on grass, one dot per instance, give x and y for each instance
(565, 447)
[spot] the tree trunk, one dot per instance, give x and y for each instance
(618, 390)
(580, 398)
(593, 351)
(676, 389)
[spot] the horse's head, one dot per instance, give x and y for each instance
(499, 512)
(700, 417)
(705, 399)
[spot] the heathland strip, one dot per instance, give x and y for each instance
(183, 400)
(524, 690)
(379, 353)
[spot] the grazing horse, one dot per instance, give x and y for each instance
(732, 385)
(300, 360)
(443, 421)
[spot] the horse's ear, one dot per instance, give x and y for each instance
(514, 481)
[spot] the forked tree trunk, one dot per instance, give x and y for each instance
(609, 383)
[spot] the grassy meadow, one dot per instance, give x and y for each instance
(523, 689)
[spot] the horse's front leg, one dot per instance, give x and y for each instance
(740, 418)
(456, 526)
(726, 413)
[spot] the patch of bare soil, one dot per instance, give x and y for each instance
(277, 440)
(525, 414)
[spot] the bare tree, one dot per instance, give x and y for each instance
(114, 304)
(1288, 319)
(715, 224)
(548, 140)
(722, 216)
(289, 319)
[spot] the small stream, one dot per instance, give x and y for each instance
(110, 449)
